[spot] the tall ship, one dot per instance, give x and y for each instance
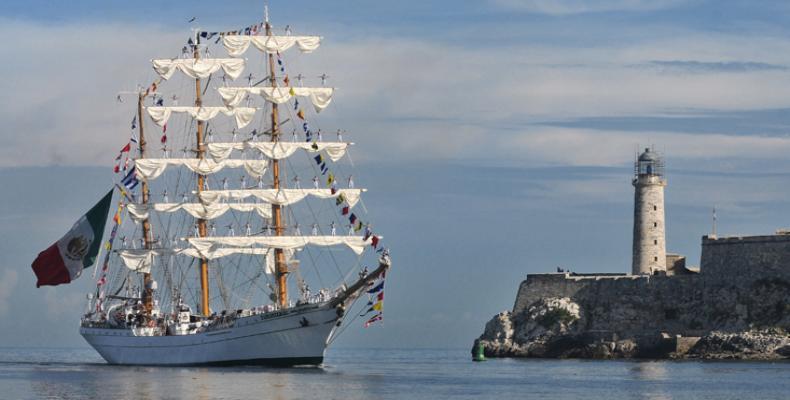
(239, 236)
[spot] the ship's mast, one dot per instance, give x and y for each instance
(148, 292)
(281, 270)
(204, 301)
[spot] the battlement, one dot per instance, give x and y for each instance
(573, 276)
(780, 236)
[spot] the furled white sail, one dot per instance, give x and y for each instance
(151, 168)
(243, 115)
(200, 68)
(238, 44)
(139, 212)
(281, 197)
(206, 245)
(270, 266)
(277, 150)
(320, 97)
(140, 260)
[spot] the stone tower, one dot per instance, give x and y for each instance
(649, 252)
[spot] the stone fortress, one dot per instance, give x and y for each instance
(736, 305)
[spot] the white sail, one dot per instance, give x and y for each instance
(277, 150)
(206, 245)
(140, 260)
(140, 212)
(238, 44)
(200, 68)
(281, 197)
(151, 168)
(320, 97)
(243, 115)
(271, 261)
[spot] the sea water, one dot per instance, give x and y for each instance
(389, 374)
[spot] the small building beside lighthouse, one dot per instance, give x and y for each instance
(649, 246)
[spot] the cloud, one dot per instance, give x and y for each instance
(7, 285)
(457, 105)
(568, 7)
(720, 66)
(60, 106)
(583, 147)
(417, 99)
(767, 122)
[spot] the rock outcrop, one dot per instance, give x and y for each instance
(552, 327)
(756, 345)
(552, 332)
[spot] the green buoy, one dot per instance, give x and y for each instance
(479, 353)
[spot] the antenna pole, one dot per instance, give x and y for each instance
(148, 291)
(714, 222)
(281, 270)
(204, 284)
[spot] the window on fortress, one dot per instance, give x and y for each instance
(670, 313)
(655, 259)
(655, 208)
(655, 241)
(655, 224)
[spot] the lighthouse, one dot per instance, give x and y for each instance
(649, 251)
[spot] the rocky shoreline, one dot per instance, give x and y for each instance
(553, 328)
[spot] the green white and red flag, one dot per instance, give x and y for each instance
(76, 250)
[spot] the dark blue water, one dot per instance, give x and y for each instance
(389, 374)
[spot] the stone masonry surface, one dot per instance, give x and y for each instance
(738, 306)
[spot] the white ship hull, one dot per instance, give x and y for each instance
(286, 338)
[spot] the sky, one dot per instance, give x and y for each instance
(496, 137)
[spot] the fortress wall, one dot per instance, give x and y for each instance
(538, 286)
(625, 304)
(740, 258)
(641, 306)
(744, 281)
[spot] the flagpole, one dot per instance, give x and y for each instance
(148, 291)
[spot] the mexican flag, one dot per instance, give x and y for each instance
(76, 250)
